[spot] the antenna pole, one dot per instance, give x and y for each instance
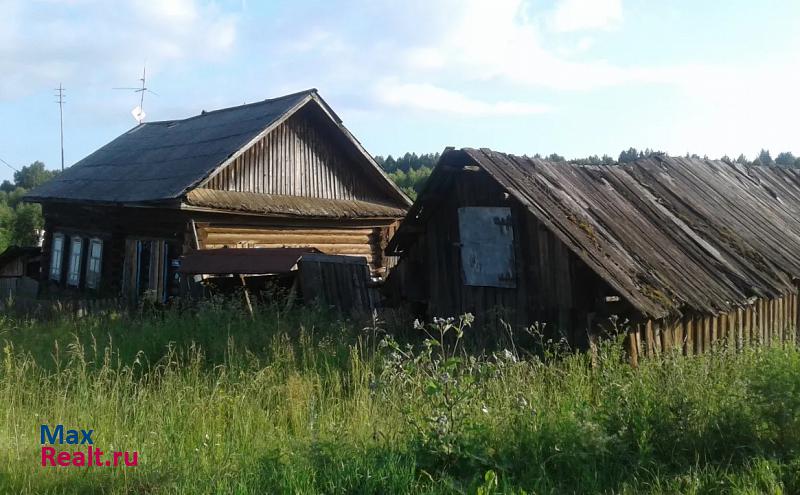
(60, 95)
(141, 97)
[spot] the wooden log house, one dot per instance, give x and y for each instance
(691, 252)
(279, 173)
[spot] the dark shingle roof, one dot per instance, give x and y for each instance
(160, 160)
(667, 233)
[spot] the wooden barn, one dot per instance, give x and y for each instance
(689, 251)
(282, 173)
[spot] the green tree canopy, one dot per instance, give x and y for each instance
(33, 175)
(21, 223)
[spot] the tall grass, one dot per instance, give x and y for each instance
(305, 402)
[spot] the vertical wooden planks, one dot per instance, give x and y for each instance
(794, 320)
(731, 331)
(690, 336)
(677, 337)
(633, 351)
(707, 334)
(764, 322)
(649, 338)
(299, 158)
(748, 325)
(714, 331)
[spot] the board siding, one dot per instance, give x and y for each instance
(552, 285)
(298, 158)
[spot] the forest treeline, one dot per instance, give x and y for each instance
(410, 171)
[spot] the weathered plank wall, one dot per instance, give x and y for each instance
(765, 322)
(14, 268)
(551, 285)
(298, 159)
(18, 287)
(339, 281)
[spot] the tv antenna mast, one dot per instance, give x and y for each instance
(60, 102)
(138, 112)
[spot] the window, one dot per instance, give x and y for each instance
(487, 246)
(94, 263)
(56, 257)
(74, 270)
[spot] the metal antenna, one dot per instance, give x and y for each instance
(60, 102)
(138, 112)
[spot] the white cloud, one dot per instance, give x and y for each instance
(427, 97)
(580, 15)
(43, 43)
(502, 43)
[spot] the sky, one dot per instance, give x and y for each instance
(573, 77)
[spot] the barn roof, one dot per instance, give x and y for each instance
(160, 161)
(667, 233)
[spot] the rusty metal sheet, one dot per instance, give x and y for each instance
(487, 246)
(242, 261)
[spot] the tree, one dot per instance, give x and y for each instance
(33, 175)
(21, 223)
(7, 186)
(785, 159)
(27, 224)
(764, 158)
(629, 155)
(6, 226)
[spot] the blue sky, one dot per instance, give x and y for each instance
(575, 77)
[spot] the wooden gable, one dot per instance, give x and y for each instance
(305, 155)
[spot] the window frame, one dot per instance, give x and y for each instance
(57, 261)
(94, 273)
(75, 261)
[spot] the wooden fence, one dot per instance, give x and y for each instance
(764, 322)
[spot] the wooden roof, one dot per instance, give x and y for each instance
(669, 234)
(288, 206)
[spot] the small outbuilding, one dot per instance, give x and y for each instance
(690, 251)
(19, 272)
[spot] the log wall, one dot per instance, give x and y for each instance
(366, 241)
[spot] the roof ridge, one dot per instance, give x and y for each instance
(203, 113)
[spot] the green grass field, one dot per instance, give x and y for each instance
(216, 402)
